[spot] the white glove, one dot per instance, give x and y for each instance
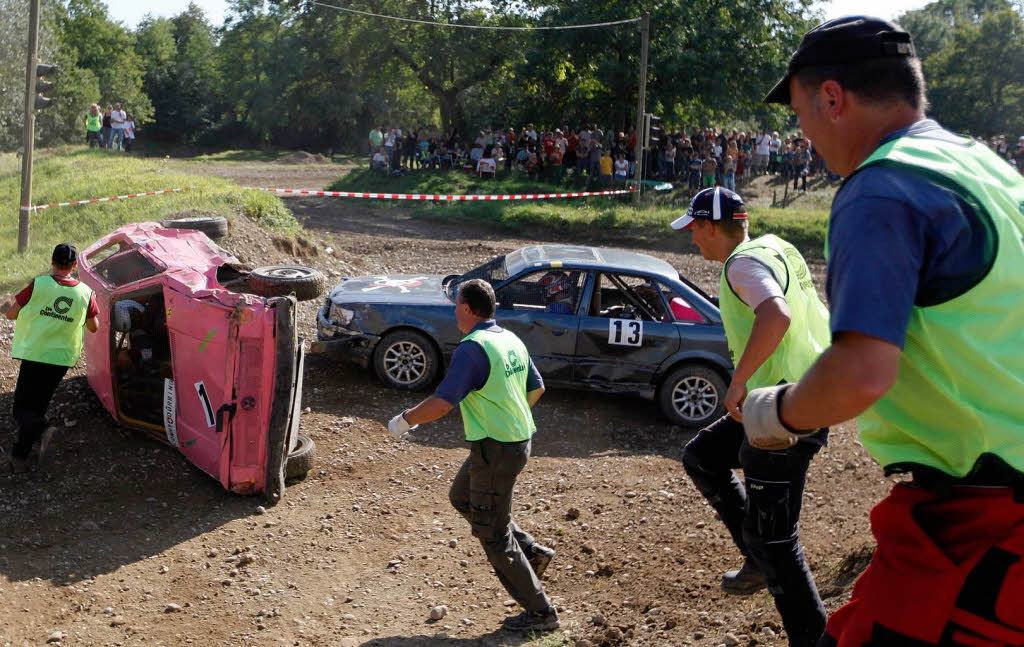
(761, 422)
(398, 427)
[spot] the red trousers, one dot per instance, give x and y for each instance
(947, 571)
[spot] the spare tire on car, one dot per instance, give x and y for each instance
(281, 280)
(215, 227)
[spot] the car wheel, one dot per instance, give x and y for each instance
(300, 461)
(215, 227)
(282, 280)
(406, 359)
(693, 396)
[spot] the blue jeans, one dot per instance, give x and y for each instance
(730, 181)
(116, 135)
(763, 517)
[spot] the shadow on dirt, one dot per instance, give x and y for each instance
(493, 639)
(570, 424)
(107, 497)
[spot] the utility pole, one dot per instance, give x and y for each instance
(645, 27)
(25, 212)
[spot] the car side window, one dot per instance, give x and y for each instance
(126, 267)
(679, 307)
(553, 291)
(624, 296)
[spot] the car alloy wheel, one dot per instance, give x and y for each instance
(695, 398)
(405, 362)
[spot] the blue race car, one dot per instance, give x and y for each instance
(592, 318)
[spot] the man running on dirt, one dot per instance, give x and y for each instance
(493, 380)
(50, 313)
(775, 326)
(926, 281)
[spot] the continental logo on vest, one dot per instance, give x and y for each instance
(513, 365)
(802, 273)
(59, 310)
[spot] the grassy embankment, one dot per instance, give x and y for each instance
(75, 173)
(802, 222)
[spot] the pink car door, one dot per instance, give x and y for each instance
(197, 402)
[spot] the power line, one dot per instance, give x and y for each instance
(490, 27)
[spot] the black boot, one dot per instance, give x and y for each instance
(746, 580)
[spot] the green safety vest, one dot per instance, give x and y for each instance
(960, 390)
(93, 123)
(49, 327)
(499, 409)
(808, 333)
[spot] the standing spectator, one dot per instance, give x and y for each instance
(555, 158)
(774, 153)
(694, 168)
(605, 164)
(94, 127)
(621, 170)
(51, 313)
(117, 119)
(582, 154)
(129, 133)
(106, 126)
(801, 167)
(729, 172)
(376, 139)
(389, 146)
(708, 169)
(571, 142)
(1018, 155)
(762, 149)
(594, 163)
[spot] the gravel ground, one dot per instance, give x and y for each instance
(122, 542)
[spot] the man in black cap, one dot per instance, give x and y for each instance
(926, 282)
(50, 313)
(776, 327)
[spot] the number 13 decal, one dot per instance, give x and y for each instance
(625, 332)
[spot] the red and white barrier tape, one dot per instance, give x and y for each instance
(350, 194)
(113, 198)
(437, 198)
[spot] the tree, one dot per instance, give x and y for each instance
(182, 77)
(977, 78)
(107, 49)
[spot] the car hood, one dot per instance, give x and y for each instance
(406, 289)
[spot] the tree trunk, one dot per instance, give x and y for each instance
(451, 111)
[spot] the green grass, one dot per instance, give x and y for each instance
(74, 173)
(802, 222)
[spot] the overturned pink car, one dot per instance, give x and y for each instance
(186, 354)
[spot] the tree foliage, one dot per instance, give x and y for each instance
(973, 59)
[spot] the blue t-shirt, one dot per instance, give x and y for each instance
(469, 370)
(897, 240)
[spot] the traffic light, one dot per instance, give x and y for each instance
(42, 85)
(653, 131)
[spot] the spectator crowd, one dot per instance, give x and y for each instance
(601, 156)
(112, 128)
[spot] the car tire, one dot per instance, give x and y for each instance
(281, 280)
(693, 396)
(215, 227)
(300, 461)
(407, 360)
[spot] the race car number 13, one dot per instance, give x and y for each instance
(625, 332)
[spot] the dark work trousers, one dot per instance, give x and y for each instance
(36, 384)
(762, 517)
(482, 493)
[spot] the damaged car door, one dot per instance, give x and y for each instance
(625, 334)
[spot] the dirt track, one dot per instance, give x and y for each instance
(358, 553)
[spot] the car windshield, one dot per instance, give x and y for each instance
(493, 271)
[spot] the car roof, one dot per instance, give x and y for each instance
(599, 258)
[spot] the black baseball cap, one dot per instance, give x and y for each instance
(712, 204)
(844, 40)
(64, 254)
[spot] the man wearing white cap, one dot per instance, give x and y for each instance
(776, 326)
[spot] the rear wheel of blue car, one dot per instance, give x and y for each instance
(406, 359)
(693, 396)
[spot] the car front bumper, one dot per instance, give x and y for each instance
(339, 341)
